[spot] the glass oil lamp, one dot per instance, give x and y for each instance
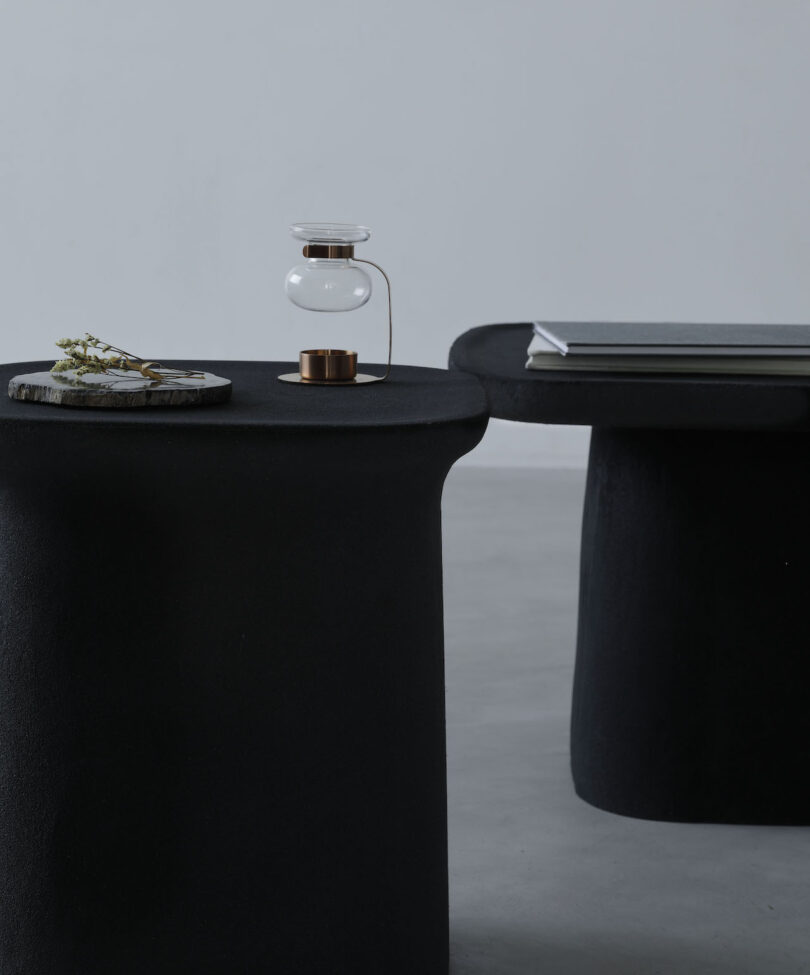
(330, 280)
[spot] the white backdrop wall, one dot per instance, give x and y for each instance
(579, 159)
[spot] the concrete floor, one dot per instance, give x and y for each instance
(542, 883)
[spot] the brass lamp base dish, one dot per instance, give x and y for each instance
(328, 367)
(359, 380)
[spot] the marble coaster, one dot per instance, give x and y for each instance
(120, 390)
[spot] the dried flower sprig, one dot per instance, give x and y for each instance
(89, 355)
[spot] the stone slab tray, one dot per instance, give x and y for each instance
(124, 392)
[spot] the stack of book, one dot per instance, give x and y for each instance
(636, 347)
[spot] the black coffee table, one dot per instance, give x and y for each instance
(221, 679)
(692, 684)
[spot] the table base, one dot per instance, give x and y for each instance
(693, 660)
(222, 724)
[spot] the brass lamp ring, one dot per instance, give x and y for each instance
(330, 251)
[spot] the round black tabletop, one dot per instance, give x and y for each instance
(497, 354)
(412, 396)
(419, 416)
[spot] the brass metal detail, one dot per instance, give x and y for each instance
(359, 380)
(330, 251)
(387, 373)
(328, 365)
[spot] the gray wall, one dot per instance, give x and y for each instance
(626, 159)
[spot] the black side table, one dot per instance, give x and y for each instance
(693, 656)
(221, 679)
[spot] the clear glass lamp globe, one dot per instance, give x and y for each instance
(328, 284)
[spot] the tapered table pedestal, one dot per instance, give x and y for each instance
(221, 680)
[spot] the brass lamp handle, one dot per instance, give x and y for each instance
(360, 260)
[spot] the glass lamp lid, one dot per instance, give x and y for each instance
(330, 233)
